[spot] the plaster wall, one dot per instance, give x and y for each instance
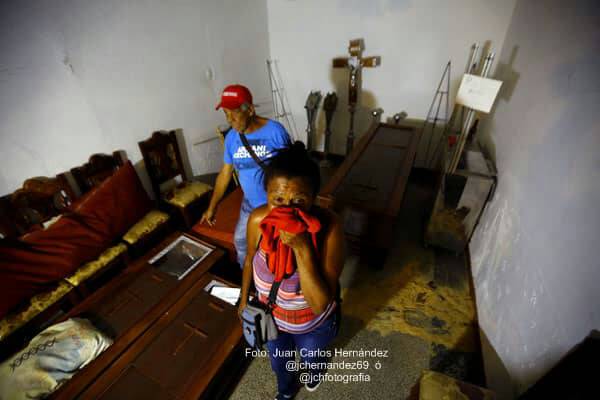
(83, 77)
(415, 40)
(534, 255)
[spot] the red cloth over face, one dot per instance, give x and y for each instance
(280, 256)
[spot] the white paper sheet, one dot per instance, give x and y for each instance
(227, 294)
(478, 93)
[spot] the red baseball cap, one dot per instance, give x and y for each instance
(234, 96)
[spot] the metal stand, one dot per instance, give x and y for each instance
(433, 120)
(281, 104)
(350, 138)
(470, 68)
(329, 106)
(485, 71)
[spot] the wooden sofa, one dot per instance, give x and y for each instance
(26, 210)
(38, 200)
(46, 271)
(148, 230)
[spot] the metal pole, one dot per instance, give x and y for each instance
(289, 115)
(447, 94)
(270, 71)
(487, 66)
(473, 60)
(485, 70)
(446, 121)
(470, 69)
(350, 138)
(281, 90)
(439, 95)
(279, 98)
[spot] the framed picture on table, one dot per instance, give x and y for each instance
(181, 256)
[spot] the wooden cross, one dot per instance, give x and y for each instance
(355, 64)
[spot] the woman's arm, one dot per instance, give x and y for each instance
(319, 280)
(252, 237)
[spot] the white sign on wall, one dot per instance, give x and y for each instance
(478, 93)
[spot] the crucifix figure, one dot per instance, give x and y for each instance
(355, 64)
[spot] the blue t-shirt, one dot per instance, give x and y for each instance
(265, 142)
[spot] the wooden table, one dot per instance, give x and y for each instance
(171, 336)
(368, 187)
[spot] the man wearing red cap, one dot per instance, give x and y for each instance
(265, 137)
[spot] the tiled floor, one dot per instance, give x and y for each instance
(419, 308)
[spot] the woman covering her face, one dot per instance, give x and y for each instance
(294, 241)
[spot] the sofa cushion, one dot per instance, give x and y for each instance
(90, 268)
(184, 195)
(116, 204)
(36, 305)
(147, 224)
(34, 262)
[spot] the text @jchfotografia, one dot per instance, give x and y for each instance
(305, 377)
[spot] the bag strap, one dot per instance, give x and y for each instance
(273, 294)
(250, 150)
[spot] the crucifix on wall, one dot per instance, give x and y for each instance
(355, 63)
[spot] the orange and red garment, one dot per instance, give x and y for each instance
(281, 260)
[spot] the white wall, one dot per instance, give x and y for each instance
(415, 40)
(535, 253)
(81, 77)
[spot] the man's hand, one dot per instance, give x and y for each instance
(209, 217)
(296, 242)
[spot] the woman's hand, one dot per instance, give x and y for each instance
(295, 241)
